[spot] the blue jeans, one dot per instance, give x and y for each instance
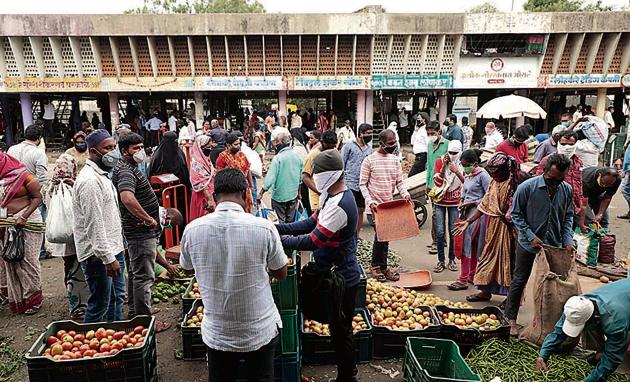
(107, 294)
(440, 218)
(625, 189)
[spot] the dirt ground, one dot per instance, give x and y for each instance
(414, 256)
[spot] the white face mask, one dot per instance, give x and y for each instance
(139, 156)
(324, 180)
(453, 158)
(567, 150)
(432, 139)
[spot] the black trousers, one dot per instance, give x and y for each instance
(419, 165)
(153, 138)
(341, 333)
(380, 250)
(223, 366)
(522, 269)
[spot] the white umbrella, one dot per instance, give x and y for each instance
(511, 106)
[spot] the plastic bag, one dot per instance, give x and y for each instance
(14, 245)
(300, 212)
(255, 163)
(266, 213)
(60, 216)
(595, 130)
(587, 245)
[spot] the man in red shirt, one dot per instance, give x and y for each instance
(515, 145)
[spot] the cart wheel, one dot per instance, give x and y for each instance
(421, 212)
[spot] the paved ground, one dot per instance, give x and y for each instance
(414, 256)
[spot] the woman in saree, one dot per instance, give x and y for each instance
(494, 266)
(201, 178)
(78, 293)
(233, 157)
(476, 181)
(20, 196)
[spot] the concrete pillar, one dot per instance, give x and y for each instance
(114, 113)
(369, 107)
(360, 106)
(520, 121)
(442, 106)
(26, 104)
(600, 106)
(199, 109)
(282, 102)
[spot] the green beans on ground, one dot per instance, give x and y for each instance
(514, 361)
(364, 255)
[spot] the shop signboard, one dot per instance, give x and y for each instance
(412, 81)
(329, 83)
(497, 72)
(36, 84)
(580, 80)
(239, 83)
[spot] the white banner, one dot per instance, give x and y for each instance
(497, 72)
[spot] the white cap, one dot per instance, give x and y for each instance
(557, 130)
(577, 311)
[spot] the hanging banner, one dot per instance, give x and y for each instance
(496, 72)
(328, 83)
(413, 81)
(579, 81)
(34, 84)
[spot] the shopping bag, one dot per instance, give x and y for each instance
(60, 217)
(555, 281)
(300, 212)
(321, 293)
(266, 213)
(13, 251)
(607, 249)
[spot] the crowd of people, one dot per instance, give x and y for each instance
(320, 181)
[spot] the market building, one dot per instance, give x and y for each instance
(359, 65)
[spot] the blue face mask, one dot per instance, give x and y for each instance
(565, 123)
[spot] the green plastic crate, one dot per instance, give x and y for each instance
(433, 360)
(285, 293)
(289, 334)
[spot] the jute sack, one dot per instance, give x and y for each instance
(555, 281)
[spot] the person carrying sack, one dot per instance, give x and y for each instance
(331, 234)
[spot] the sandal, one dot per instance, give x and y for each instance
(439, 268)
(457, 286)
(391, 275)
(161, 326)
(33, 310)
(377, 273)
(433, 250)
(452, 266)
(478, 297)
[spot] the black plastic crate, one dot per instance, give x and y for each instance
(318, 349)
(128, 365)
(361, 290)
(466, 339)
(390, 343)
(286, 368)
(193, 346)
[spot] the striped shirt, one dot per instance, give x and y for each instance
(33, 158)
(230, 252)
(380, 176)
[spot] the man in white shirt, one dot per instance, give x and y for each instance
(578, 113)
(153, 127)
(241, 319)
(172, 121)
(49, 116)
(493, 136)
(608, 117)
(468, 133)
(419, 141)
(98, 230)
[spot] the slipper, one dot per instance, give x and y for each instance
(377, 273)
(477, 298)
(391, 275)
(439, 268)
(33, 310)
(433, 251)
(452, 266)
(161, 326)
(457, 286)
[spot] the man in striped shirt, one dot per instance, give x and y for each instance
(380, 176)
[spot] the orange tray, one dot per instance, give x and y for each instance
(415, 280)
(395, 220)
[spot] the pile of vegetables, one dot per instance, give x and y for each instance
(164, 290)
(364, 255)
(10, 359)
(515, 361)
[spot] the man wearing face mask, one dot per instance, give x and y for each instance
(331, 233)
(542, 211)
(380, 175)
(515, 145)
(436, 148)
(453, 131)
(419, 141)
(98, 230)
(79, 150)
(140, 214)
(353, 155)
(549, 146)
(566, 146)
(283, 176)
(599, 185)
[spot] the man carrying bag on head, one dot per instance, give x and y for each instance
(331, 234)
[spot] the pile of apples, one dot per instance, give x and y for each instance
(93, 344)
(311, 326)
(195, 319)
(194, 291)
(471, 321)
